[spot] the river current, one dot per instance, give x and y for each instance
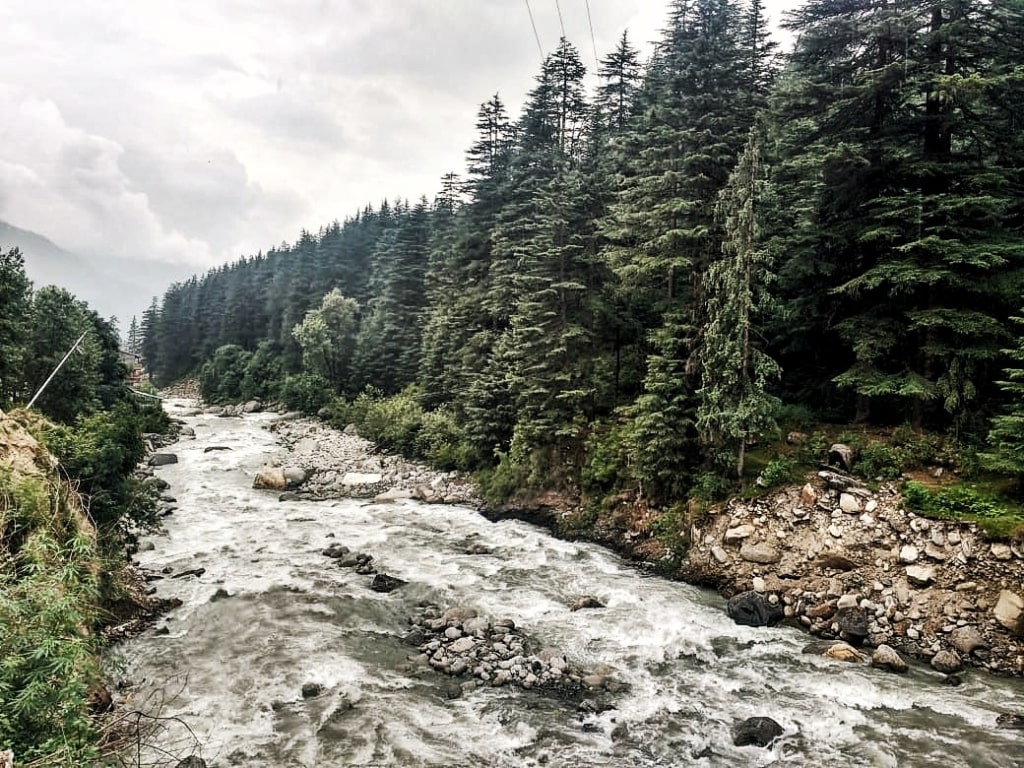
(271, 614)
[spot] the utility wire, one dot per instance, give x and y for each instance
(590, 21)
(540, 48)
(561, 23)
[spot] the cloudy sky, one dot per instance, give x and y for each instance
(195, 132)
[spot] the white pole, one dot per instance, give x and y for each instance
(50, 378)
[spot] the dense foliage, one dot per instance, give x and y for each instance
(64, 530)
(625, 290)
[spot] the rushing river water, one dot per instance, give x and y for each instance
(232, 667)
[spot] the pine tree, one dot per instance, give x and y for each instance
(15, 298)
(1006, 437)
(327, 337)
(734, 404)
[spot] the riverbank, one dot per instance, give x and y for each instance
(832, 557)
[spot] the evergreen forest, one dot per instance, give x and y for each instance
(630, 285)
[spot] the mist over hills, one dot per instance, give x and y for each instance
(114, 287)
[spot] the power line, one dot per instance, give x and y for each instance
(540, 48)
(590, 21)
(561, 23)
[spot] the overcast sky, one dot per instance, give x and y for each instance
(195, 132)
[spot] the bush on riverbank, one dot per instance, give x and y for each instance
(49, 591)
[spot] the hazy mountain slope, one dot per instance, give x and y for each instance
(113, 287)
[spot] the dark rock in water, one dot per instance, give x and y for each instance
(853, 624)
(220, 594)
(1013, 720)
(841, 455)
(189, 572)
(211, 448)
(289, 496)
(311, 690)
(191, 762)
(587, 601)
(759, 731)
(384, 583)
(335, 550)
(752, 609)
(953, 680)
(415, 636)
(158, 482)
(162, 459)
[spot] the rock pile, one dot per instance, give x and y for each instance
(460, 643)
(343, 465)
(848, 563)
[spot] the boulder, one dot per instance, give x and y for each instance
(908, 553)
(886, 657)
(753, 610)
(844, 652)
(586, 601)
(808, 496)
(311, 690)
(967, 640)
(212, 448)
(1011, 720)
(294, 476)
(947, 662)
(384, 583)
(1001, 551)
(739, 533)
(361, 478)
(191, 762)
(920, 575)
(270, 479)
(163, 459)
(764, 554)
(756, 731)
(849, 503)
(853, 624)
(841, 455)
(1009, 611)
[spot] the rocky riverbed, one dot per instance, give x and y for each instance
(841, 561)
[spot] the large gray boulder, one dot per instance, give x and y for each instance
(752, 609)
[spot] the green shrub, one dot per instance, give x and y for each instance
(778, 471)
(393, 423)
(48, 594)
(306, 392)
(916, 496)
(443, 442)
(877, 459)
(504, 481)
(221, 377)
(672, 529)
(607, 464)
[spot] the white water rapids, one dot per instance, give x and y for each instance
(232, 668)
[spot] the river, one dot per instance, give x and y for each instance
(271, 614)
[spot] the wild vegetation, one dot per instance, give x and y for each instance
(70, 506)
(629, 288)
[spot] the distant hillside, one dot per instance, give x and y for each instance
(113, 287)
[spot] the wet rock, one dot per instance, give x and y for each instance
(163, 459)
(1013, 720)
(1009, 611)
(270, 479)
(212, 448)
(99, 699)
(220, 594)
(587, 601)
(756, 731)
(764, 554)
(294, 476)
(947, 662)
(753, 610)
(886, 657)
(336, 551)
(853, 625)
(311, 690)
(189, 572)
(191, 762)
(841, 455)
(834, 649)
